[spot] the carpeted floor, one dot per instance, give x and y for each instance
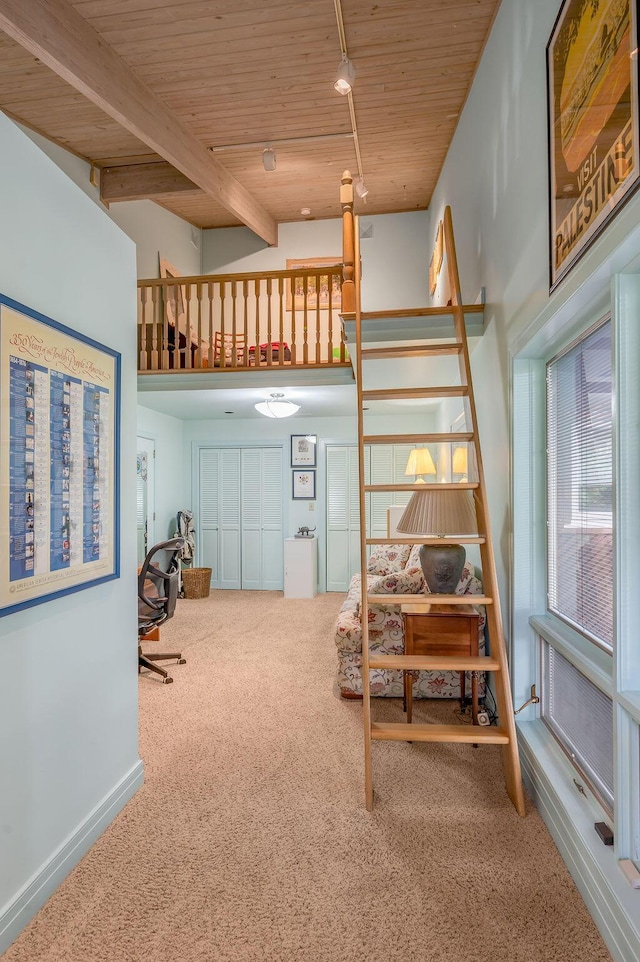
(250, 842)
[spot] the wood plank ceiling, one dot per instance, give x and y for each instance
(238, 72)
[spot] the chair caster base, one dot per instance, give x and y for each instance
(167, 681)
(182, 661)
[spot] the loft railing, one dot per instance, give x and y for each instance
(234, 322)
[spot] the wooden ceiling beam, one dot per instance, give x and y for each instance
(61, 38)
(143, 182)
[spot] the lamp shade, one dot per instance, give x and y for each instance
(276, 406)
(420, 462)
(439, 514)
(460, 461)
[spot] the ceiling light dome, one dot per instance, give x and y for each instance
(277, 406)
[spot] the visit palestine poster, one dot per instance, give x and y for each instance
(58, 459)
(592, 61)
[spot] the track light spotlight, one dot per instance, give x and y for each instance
(361, 189)
(345, 76)
(269, 158)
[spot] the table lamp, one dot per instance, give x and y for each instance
(460, 463)
(420, 462)
(443, 513)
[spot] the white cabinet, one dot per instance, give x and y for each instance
(300, 567)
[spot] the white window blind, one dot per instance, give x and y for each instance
(580, 715)
(580, 486)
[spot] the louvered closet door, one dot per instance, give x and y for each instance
(343, 514)
(388, 464)
(262, 558)
(219, 515)
(240, 517)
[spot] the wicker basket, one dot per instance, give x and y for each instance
(196, 582)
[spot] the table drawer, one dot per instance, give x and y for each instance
(443, 635)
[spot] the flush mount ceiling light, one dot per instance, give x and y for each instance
(361, 189)
(345, 77)
(269, 158)
(277, 406)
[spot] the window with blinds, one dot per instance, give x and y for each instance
(580, 715)
(580, 486)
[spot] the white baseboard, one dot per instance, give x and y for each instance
(33, 896)
(613, 904)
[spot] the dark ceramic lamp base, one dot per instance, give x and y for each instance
(442, 566)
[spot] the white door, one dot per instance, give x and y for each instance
(385, 464)
(261, 491)
(145, 511)
(388, 464)
(343, 514)
(240, 517)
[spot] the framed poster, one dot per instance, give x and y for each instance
(59, 469)
(592, 89)
(304, 486)
(303, 450)
(330, 294)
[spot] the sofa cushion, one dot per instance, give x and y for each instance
(413, 561)
(409, 581)
(387, 558)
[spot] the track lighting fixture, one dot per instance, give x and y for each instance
(269, 158)
(345, 77)
(361, 189)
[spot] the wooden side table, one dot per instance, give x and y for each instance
(448, 630)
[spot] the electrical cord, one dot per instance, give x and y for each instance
(491, 711)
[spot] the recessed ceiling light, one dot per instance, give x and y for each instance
(305, 211)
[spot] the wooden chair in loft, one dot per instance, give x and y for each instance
(229, 350)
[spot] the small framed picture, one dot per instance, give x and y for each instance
(304, 486)
(303, 450)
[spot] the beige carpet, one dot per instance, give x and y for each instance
(250, 841)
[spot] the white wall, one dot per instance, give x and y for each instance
(170, 491)
(297, 513)
(159, 233)
(155, 231)
(68, 707)
(495, 179)
(394, 257)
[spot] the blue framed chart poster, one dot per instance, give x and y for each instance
(59, 459)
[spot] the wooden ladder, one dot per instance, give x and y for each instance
(505, 733)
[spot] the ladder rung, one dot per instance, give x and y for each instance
(435, 663)
(455, 390)
(402, 732)
(425, 350)
(448, 486)
(431, 541)
(427, 599)
(413, 312)
(416, 438)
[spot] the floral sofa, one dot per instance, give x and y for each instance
(394, 569)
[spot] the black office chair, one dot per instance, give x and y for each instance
(157, 596)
